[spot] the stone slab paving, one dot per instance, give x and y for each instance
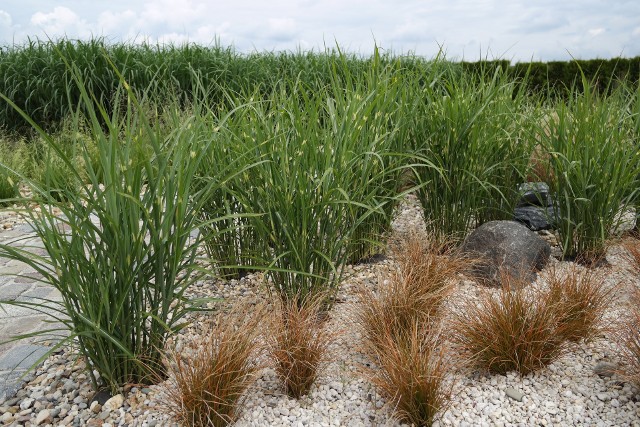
(18, 282)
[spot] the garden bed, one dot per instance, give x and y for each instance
(567, 392)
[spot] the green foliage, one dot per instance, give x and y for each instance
(13, 163)
(154, 69)
(595, 159)
(325, 182)
(469, 136)
(122, 253)
(179, 69)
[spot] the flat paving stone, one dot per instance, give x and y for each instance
(21, 283)
(9, 291)
(22, 357)
(35, 294)
(26, 325)
(8, 311)
(10, 383)
(25, 279)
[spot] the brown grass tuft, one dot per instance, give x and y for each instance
(208, 380)
(582, 301)
(413, 374)
(400, 326)
(540, 169)
(298, 342)
(628, 337)
(514, 330)
(416, 290)
(524, 330)
(632, 254)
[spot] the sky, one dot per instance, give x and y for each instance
(517, 30)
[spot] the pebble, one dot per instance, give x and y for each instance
(114, 403)
(605, 369)
(26, 403)
(43, 417)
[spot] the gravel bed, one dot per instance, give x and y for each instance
(575, 390)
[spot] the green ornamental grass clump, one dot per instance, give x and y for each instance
(123, 251)
(467, 133)
(324, 185)
(596, 162)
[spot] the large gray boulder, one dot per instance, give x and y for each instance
(506, 247)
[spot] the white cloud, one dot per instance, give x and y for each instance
(5, 19)
(596, 31)
(175, 14)
(6, 26)
(281, 29)
(412, 31)
(116, 22)
(60, 22)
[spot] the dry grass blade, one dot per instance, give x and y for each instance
(632, 254)
(539, 168)
(297, 343)
(416, 290)
(515, 330)
(581, 300)
(208, 380)
(628, 338)
(413, 373)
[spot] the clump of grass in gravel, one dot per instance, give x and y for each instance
(596, 162)
(416, 290)
(306, 206)
(468, 133)
(628, 340)
(400, 327)
(298, 342)
(632, 254)
(415, 376)
(209, 378)
(123, 252)
(231, 241)
(515, 329)
(525, 329)
(582, 301)
(363, 119)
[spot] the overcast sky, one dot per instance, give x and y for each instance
(519, 30)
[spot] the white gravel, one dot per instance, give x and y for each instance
(566, 393)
